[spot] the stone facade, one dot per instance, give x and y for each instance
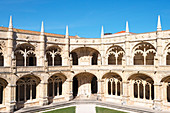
(40, 68)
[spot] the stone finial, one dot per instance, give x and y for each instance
(127, 27)
(10, 24)
(42, 28)
(67, 34)
(102, 33)
(159, 28)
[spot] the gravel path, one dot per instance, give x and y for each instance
(86, 108)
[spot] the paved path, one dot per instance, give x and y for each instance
(85, 108)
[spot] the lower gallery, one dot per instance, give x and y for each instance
(38, 68)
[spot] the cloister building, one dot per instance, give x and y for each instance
(38, 68)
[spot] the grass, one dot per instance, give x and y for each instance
(63, 110)
(105, 110)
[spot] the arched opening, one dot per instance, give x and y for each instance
(94, 58)
(53, 54)
(3, 84)
(75, 87)
(31, 60)
(94, 85)
(166, 88)
(138, 59)
(25, 55)
(57, 60)
(150, 58)
(168, 59)
(115, 55)
(141, 86)
(26, 89)
(85, 56)
(19, 59)
(84, 85)
(113, 84)
(75, 58)
(111, 60)
(1, 59)
(55, 86)
(144, 54)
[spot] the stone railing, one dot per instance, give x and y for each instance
(5, 69)
(29, 69)
(147, 68)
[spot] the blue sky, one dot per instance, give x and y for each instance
(85, 17)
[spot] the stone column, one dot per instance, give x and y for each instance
(128, 53)
(43, 95)
(159, 46)
(99, 92)
(10, 97)
(8, 59)
(125, 96)
(106, 87)
(164, 92)
(157, 96)
(68, 93)
(40, 58)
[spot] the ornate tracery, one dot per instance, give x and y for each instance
(113, 84)
(143, 54)
(53, 55)
(26, 88)
(55, 83)
(25, 55)
(115, 55)
(141, 87)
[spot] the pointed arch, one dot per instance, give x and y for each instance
(53, 54)
(113, 84)
(25, 55)
(141, 86)
(143, 54)
(27, 88)
(85, 56)
(115, 54)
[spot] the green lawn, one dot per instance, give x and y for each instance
(105, 110)
(63, 110)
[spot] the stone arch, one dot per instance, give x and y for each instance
(3, 85)
(143, 54)
(115, 54)
(166, 54)
(141, 86)
(85, 56)
(113, 84)
(165, 81)
(55, 85)
(84, 85)
(53, 55)
(27, 89)
(25, 55)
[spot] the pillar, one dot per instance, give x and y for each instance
(41, 55)
(128, 53)
(10, 97)
(125, 96)
(157, 96)
(67, 88)
(43, 95)
(99, 92)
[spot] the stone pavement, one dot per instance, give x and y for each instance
(85, 108)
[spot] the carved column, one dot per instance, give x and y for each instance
(157, 96)
(43, 95)
(127, 49)
(125, 96)
(11, 98)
